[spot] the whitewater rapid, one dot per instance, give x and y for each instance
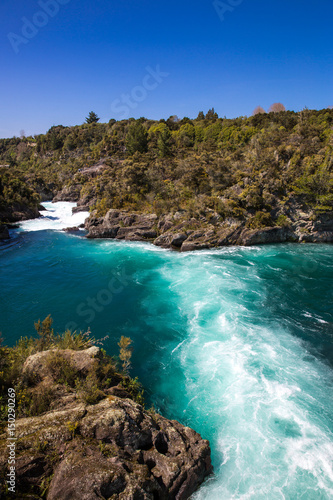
(56, 216)
(268, 399)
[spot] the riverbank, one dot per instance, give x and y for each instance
(182, 233)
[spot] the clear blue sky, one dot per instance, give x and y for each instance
(92, 53)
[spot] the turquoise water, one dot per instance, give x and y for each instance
(236, 342)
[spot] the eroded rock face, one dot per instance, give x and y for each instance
(123, 226)
(69, 193)
(142, 456)
(114, 449)
(18, 212)
(186, 234)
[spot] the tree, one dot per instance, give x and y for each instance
(136, 138)
(164, 142)
(201, 116)
(277, 107)
(125, 352)
(211, 115)
(258, 111)
(92, 117)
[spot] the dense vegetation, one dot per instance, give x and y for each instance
(246, 168)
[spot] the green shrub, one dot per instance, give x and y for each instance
(260, 220)
(134, 388)
(283, 221)
(88, 389)
(62, 371)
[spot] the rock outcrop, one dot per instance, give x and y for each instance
(69, 193)
(189, 234)
(113, 449)
(4, 234)
(17, 212)
(123, 226)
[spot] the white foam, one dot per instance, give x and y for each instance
(56, 216)
(263, 399)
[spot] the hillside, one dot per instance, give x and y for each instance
(266, 171)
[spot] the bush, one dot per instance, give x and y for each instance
(62, 371)
(260, 220)
(283, 221)
(88, 389)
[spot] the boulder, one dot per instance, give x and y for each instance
(81, 360)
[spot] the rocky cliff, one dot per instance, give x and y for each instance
(16, 212)
(181, 232)
(112, 448)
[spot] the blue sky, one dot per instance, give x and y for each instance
(94, 55)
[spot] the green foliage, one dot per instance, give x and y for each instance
(61, 369)
(15, 194)
(35, 395)
(32, 402)
(73, 428)
(78, 341)
(45, 332)
(248, 164)
(92, 118)
(134, 388)
(125, 352)
(283, 221)
(260, 220)
(136, 138)
(88, 389)
(164, 143)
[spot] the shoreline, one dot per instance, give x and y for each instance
(183, 234)
(179, 232)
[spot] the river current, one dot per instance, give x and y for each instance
(236, 342)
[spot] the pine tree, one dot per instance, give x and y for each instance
(92, 117)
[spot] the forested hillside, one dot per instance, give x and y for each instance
(248, 169)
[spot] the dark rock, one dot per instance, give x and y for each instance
(263, 236)
(177, 232)
(29, 469)
(71, 229)
(189, 246)
(164, 240)
(4, 234)
(123, 226)
(178, 239)
(18, 212)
